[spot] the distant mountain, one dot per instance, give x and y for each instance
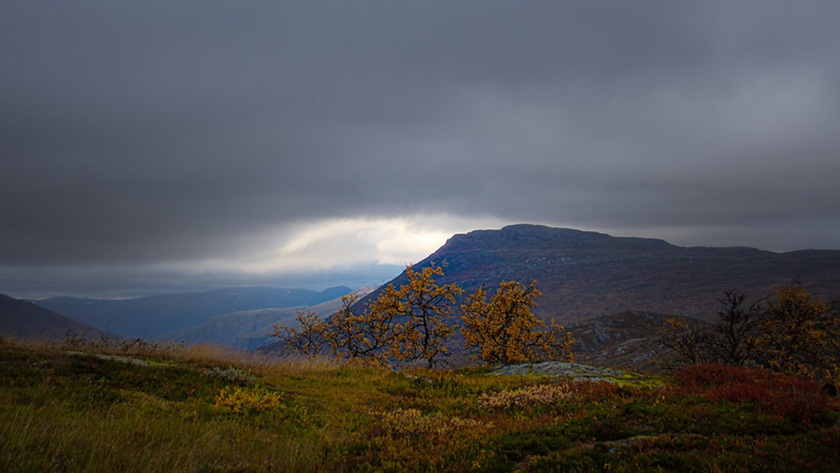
(152, 317)
(249, 329)
(22, 319)
(585, 275)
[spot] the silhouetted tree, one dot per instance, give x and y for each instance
(689, 341)
(788, 332)
(735, 335)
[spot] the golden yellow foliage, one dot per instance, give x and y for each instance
(248, 400)
(409, 323)
(413, 423)
(403, 324)
(306, 339)
(420, 307)
(505, 330)
(798, 335)
(525, 397)
(362, 339)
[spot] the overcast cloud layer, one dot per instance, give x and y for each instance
(153, 145)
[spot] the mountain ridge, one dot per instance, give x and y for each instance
(584, 274)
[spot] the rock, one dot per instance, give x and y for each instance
(557, 368)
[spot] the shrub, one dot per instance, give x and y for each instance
(248, 400)
(697, 377)
(775, 394)
(413, 423)
(411, 440)
(525, 397)
(599, 391)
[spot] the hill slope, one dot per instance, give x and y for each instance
(152, 317)
(586, 274)
(22, 319)
(628, 340)
(249, 329)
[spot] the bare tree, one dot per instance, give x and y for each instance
(735, 335)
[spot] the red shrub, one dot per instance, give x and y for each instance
(775, 394)
(596, 391)
(698, 377)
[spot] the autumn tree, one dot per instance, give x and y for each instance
(505, 330)
(404, 324)
(366, 338)
(307, 339)
(789, 332)
(798, 335)
(419, 309)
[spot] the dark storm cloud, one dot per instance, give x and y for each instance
(146, 132)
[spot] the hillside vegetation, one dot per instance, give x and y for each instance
(141, 407)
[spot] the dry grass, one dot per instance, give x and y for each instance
(204, 409)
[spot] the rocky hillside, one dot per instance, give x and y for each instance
(628, 340)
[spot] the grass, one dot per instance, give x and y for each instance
(143, 407)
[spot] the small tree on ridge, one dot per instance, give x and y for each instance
(420, 307)
(505, 330)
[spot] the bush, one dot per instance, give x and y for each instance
(524, 397)
(248, 401)
(775, 394)
(698, 377)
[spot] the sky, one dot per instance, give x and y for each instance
(152, 146)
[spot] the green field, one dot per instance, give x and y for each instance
(144, 408)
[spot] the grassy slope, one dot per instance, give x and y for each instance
(201, 409)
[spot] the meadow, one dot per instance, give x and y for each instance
(140, 407)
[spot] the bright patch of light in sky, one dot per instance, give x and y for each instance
(345, 242)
